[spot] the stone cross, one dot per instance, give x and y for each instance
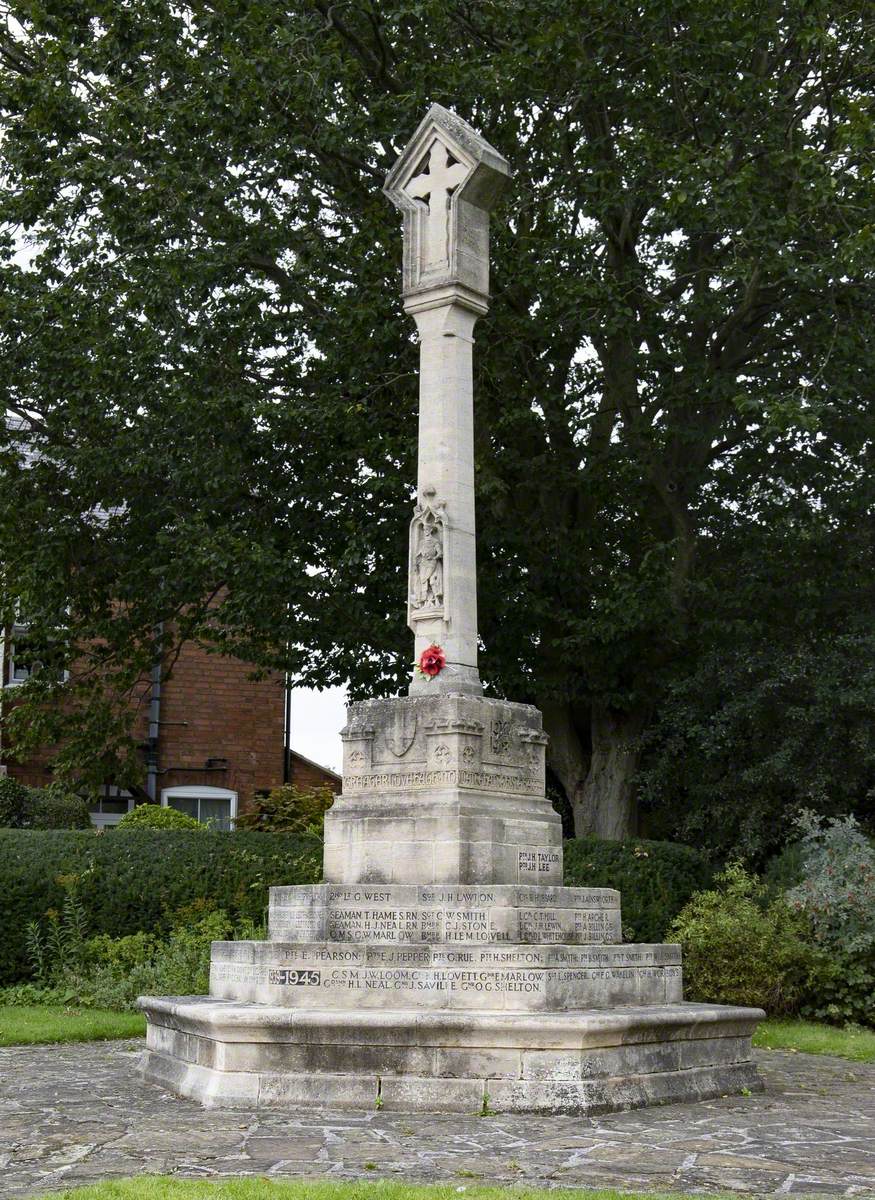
(436, 184)
(445, 183)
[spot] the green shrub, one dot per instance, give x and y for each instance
(68, 967)
(837, 896)
(131, 882)
(739, 948)
(15, 803)
(157, 816)
(52, 807)
(55, 808)
(655, 879)
(288, 809)
(786, 870)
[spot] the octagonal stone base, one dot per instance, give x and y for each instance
(228, 1053)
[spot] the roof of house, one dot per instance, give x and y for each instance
(310, 762)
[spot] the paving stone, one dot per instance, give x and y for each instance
(811, 1133)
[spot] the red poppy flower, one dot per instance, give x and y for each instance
(432, 661)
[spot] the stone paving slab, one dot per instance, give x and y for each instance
(77, 1114)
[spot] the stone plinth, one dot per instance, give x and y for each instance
(443, 789)
(590, 1061)
(327, 975)
(447, 997)
(407, 913)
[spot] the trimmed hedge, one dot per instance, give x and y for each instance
(655, 879)
(132, 881)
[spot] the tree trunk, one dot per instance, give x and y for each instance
(568, 749)
(606, 806)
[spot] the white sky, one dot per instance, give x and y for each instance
(317, 719)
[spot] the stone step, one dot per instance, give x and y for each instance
(229, 1053)
(437, 913)
(347, 975)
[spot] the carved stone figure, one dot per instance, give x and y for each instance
(428, 576)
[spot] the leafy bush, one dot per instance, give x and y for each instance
(786, 870)
(157, 816)
(655, 879)
(739, 948)
(69, 967)
(15, 801)
(52, 807)
(55, 808)
(131, 882)
(289, 809)
(837, 896)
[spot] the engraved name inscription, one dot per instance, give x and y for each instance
(539, 861)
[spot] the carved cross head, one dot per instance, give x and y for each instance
(445, 183)
(439, 176)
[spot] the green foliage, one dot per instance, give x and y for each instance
(207, 340)
(288, 809)
(130, 883)
(15, 800)
(159, 816)
(105, 972)
(781, 720)
(837, 896)
(655, 879)
(54, 807)
(838, 889)
(739, 948)
(786, 870)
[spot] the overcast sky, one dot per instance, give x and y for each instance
(317, 719)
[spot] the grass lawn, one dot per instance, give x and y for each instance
(29, 1026)
(810, 1037)
(154, 1187)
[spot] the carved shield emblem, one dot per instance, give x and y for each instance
(402, 731)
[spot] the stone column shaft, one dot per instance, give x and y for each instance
(445, 183)
(446, 480)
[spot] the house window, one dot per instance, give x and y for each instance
(20, 661)
(110, 806)
(213, 806)
(20, 664)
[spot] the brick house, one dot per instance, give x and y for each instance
(211, 738)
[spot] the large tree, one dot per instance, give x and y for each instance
(207, 349)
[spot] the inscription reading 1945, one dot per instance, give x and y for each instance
(283, 975)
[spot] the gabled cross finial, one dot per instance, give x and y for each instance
(445, 183)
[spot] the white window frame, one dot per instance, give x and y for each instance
(194, 791)
(18, 630)
(102, 819)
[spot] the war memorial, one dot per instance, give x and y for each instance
(442, 965)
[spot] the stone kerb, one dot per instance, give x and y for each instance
(583, 1062)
